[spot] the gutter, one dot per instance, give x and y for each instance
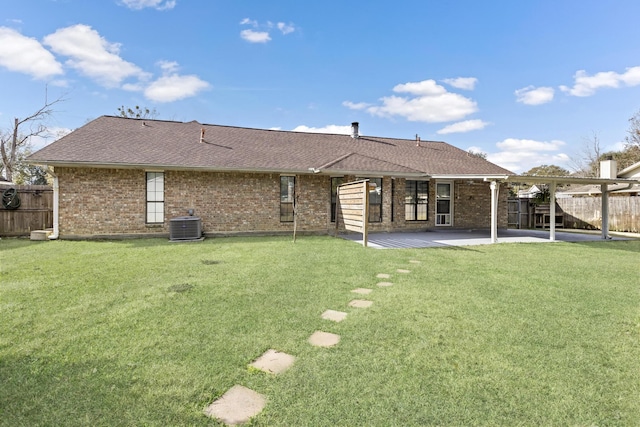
(56, 200)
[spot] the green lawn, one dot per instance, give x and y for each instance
(147, 332)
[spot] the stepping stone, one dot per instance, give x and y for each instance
(273, 361)
(237, 406)
(403, 271)
(362, 291)
(336, 316)
(384, 284)
(415, 261)
(383, 276)
(324, 339)
(360, 303)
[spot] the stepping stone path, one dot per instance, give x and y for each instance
(274, 362)
(360, 303)
(323, 339)
(236, 406)
(239, 404)
(415, 261)
(336, 316)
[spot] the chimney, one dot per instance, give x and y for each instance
(609, 168)
(355, 130)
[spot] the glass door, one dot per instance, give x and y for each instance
(444, 198)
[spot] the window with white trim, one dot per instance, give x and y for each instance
(155, 197)
(444, 203)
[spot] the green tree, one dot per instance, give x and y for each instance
(137, 112)
(547, 170)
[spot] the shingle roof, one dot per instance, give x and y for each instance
(122, 142)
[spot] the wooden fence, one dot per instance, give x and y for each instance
(586, 213)
(34, 213)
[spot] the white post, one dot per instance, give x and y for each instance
(605, 210)
(494, 211)
(552, 211)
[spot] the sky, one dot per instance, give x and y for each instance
(526, 82)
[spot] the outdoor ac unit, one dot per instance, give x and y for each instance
(185, 228)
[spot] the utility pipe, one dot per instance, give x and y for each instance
(56, 199)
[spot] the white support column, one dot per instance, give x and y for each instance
(552, 211)
(605, 210)
(494, 211)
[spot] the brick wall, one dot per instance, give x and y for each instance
(113, 202)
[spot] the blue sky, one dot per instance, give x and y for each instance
(524, 81)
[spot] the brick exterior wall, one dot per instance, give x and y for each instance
(112, 202)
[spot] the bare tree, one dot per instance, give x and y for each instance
(633, 138)
(587, 160)
(15, 139)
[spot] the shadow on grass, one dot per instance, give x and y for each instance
(39, 391)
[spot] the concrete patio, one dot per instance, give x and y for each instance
(441, 238)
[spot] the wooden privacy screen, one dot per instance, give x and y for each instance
(352, 207)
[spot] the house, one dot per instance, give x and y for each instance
(125, 177)
(616, 190)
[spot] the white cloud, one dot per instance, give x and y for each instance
(462, 127)
(467, 83)
(286, 28)
(261, 34)
(428, 102)
(156, 4)
(247, 21)
(92, 55)
(519, 155)
(173, 87)
(335, 129)
(168, 66)
(586, 85)
(255, 36)
(356, 105)
(26, 55)
(531, 95)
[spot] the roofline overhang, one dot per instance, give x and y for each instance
(154, 166)
(528, 179)
(486, 177)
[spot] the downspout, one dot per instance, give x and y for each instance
(56, 199)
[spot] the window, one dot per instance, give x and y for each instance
(155, 197)
(443, 203)
(375, 200)
(335, 183)
(416, 200)
(287, 194)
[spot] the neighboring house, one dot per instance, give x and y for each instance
(119, 177)
(616, 190)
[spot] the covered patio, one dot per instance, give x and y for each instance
(443, 238)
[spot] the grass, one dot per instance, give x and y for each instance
(147, 332)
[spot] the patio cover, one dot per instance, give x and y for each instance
(553, 181)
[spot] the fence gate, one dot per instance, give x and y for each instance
(513, 213)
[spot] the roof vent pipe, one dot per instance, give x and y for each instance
(355, 130)
(417, 140)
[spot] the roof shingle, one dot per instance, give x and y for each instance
(121, 142)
